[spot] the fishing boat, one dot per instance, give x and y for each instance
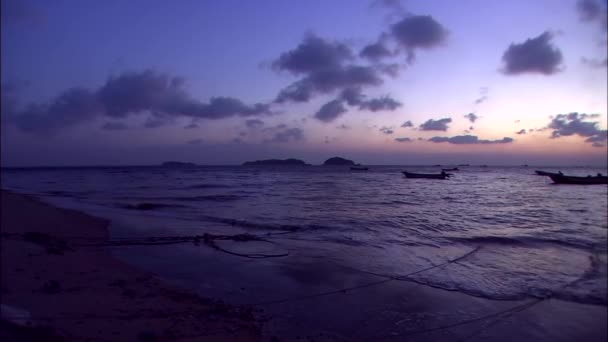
(359, 168)
(545, 173)
(441, 175)
(562, 179)
(452, 169)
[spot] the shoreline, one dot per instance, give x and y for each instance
(80, 292)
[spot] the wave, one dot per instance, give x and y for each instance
(521, 240)
(265, 226)
(207, 186)
(149, 206)
(201, 198)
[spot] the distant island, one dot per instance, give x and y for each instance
(276, 162)
(177, 164)
(339, 161)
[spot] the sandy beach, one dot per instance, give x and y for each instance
(63, 291)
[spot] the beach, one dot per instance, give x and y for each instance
(83, 293)
(356, 256)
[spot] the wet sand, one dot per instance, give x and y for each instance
(84, 293)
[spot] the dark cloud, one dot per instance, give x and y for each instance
(471, 117)
(343, 126)
(591, 10)
(331, 111)
(160, 96)
(436, 125)
(114, 126)
(287, 135)
(312, 55)
(329, 80)
(254, 123)
(387, 130)
(191, 126)
(378, 50)
(158, 93)
(155, 122)
(353, 97)
(469, 140)
(521, 131)
(408, 123)
(74, 106)
(195, 141)
(404, 139)
(535, 55)
(418, 32)
(563, 125)
(382, 103)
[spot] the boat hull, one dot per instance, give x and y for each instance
(545, 173)
(561, 179)
(425, 175)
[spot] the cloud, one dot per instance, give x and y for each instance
(436, 125)
(72, 107)
(378, 50)
(382, 103)
(535, 55)
(521, 131)
(330, 111)
(595, 63)
(483, 95)
(591, 10)
(158, 93)
(343, 126)
(481, 99)
(313, 54)
(287, 135)
(254, 123)
(404, 139)
(160, 96)
(191, 126)
(114, 126)
(471, 117)
(563, 125)
(353, 97)
(387, 130)
(155, 122)
(408, 123)
(329, 80)
(469, 140)
(418, 32)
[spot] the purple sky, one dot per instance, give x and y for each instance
(381, 82)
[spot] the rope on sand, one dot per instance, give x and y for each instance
(59, 245)
(352, 288)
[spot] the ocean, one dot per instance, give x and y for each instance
(527, 238)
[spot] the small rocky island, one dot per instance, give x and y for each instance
(177, 164)
(339, 161)
(276, 162)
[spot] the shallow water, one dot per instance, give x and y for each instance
(534, 238)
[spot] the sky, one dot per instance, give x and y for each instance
(382, 82)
